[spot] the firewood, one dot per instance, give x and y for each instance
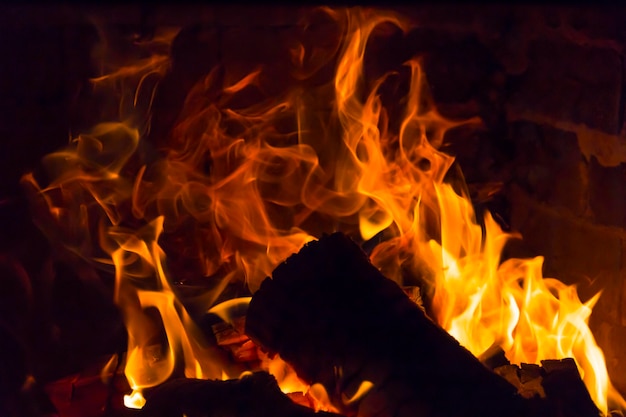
(338, 321)
(93, 392)
(254, 395)
(226, 335)
(528, 386)
(557, 382)
(494, 357)
(233, 340)
(247, 352)
(566, 390)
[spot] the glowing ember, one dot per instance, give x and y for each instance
(309, 159)
(134, 400)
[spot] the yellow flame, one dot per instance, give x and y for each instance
(362, 390)
(287, 379)
(240, 187)
(224, 310)
(482, 302)
(149, 363)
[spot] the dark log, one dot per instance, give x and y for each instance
(93, 392)
(565, 389)
(235, 341)
(254, 395)
(338, 321)
(557, 381)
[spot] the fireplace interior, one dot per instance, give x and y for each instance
(544, 152)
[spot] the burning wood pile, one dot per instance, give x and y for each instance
(331, 315)
(368, 348)
(279, 169)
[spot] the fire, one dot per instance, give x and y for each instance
(237, 188)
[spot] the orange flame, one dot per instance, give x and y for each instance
(341, 164)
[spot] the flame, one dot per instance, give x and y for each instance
(237, 188)
(287, 379)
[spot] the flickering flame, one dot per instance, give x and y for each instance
(287, 379)
(238, 188)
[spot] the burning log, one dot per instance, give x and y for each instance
(556, 380)
(254, 395)
(96, 391)
(234, 340)
(339, 322)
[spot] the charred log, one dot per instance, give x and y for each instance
(254, 395)
(558, 381)
(565, 388)
(339, 322)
